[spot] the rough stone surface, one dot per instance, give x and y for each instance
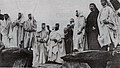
(16, 57)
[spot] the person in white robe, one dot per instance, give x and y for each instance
(6, 30)
(56, 46)
(79, 32)
(107, 27)
(1, 21)
(18, 30)
(40, 49)
(30, 27)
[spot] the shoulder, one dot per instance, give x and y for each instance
(109, 8)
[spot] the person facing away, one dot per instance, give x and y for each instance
(55, 48)
(107, 27)
(78, 33)
(40, 51)
(18, 29)
(30, 28)
(92, 30)
(68, 33)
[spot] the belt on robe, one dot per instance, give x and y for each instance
(30, 31)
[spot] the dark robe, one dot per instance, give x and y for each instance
(92, 34)
(68, 40)
(115, 4)
(1, 17)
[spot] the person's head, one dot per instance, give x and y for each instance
(68, 26)
(19, 15)
(77, 13)
(0, 11)
(57, 26)
(104, 2)
(53, 28)
(93, 7)
(30, 16)
(6, 16)
(43, 25)
(71, 20)
(48, 27)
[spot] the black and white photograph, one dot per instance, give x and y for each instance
(59, 33)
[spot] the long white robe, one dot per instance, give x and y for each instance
(5, 32)
(29, 37)
(1, 21)
(56, 49)
(11, 35)
(107, 31)
(14, 33)
(118, 26)
(78, 40)
(18, 31)
(40, 50)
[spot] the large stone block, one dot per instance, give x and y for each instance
(16, 57)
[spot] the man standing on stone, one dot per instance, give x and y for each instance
(107, 26)
(18, 29)
(56, 50)
(6, 31)
(30, 28)
(79, 32)
(40, 50)
(68, 33)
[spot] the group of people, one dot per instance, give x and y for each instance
(99, 31)
(46, 44)
(19, 33)
(49, 47)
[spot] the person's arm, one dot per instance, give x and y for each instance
(58, 38)
(21, 23)
(34, 26)
(1, 46)
(39, 38)
(46, 38)
(111, 20)
(25, 26)
(82, 25)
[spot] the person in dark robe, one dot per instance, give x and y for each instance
(68, 33)
(115, 4)
(1, 16)
(48, 28)
(92, 28)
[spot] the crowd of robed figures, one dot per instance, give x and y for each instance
(47, 45)
(99, 31)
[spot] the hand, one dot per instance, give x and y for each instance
(55, 40)
(105, 22)
(93, 28)
(79, 33)
(41, 40)
(17, 24)
(44, 41)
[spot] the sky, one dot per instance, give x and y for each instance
(47, 11)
